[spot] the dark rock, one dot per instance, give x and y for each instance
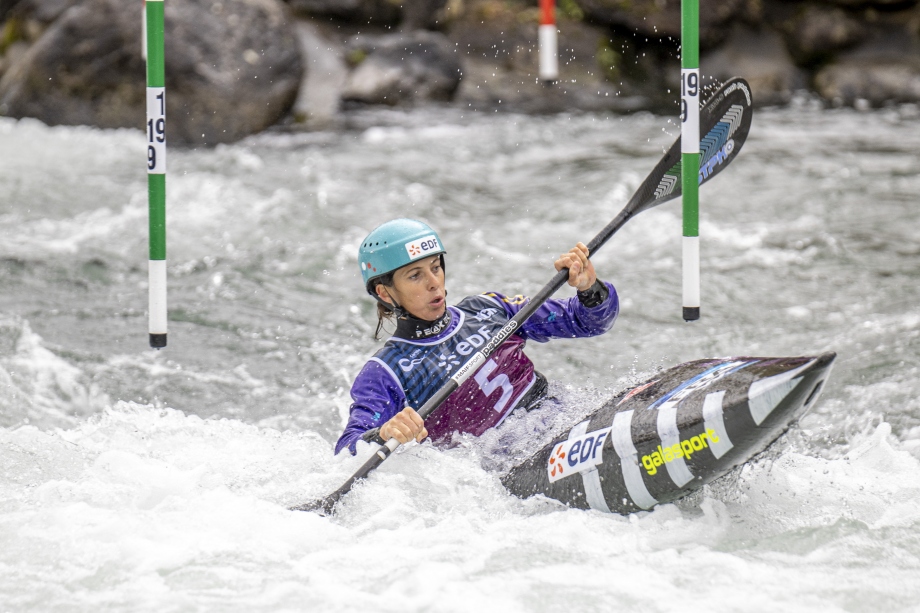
(639, 67)
(661, 18)
(5, 7)
(852, 81)
(500, 56)
(424, 14)
(408, 14)
(400, 68)
(815, 32)
(761, 58)
(874, 3)
(373, 12)
(41, 11)
(884, 69)
(232, 69)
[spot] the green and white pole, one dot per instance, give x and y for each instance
(156, 170)
(690, 153)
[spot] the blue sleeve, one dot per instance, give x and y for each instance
(566, 318)
(377, 397)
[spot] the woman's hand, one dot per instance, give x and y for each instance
(581, 270)
(404, 426)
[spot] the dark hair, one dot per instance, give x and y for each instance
(384, 312)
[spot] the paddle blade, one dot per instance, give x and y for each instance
(725, 120)
(324, 506)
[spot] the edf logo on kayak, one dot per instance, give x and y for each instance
(577, 454)
(421, 246)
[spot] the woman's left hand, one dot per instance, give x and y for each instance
(581, 270)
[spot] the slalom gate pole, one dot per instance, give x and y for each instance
(690, 154)
(549, 61)
(156, 170)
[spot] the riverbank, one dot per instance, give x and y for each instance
(302, 63)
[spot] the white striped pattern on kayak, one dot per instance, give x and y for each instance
(670, 435)
(713, 420)
(629, 460)
(764, 395)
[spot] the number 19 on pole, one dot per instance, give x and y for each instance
(156, 170)
(156, 130)
(690, 95)
(690, 153)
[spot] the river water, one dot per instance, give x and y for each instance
(138, 480)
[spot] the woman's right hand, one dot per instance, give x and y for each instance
(404, 426)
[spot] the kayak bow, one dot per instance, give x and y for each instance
(671, 435)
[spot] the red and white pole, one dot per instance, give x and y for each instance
(549, 63)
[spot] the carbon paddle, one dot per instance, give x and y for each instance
(725, 119)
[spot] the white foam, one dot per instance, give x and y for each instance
(39, 387)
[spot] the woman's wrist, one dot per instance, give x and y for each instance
(595, 295)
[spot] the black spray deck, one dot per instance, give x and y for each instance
(671, 435)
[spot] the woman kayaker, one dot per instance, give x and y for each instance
(402, 266)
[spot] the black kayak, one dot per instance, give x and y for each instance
(685, 427)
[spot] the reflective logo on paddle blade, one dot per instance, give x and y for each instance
(576, 455)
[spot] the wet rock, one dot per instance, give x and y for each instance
(425, 14)
(223, 81)
(372, 12)
(401, 68)
(500, 57)
(874, 3)
(661, 18)
(408, 14)
(815, 32)
(762, 59)
(852, 81)
(40, 11)
(5, 7)
(320, 92)
(884, 69)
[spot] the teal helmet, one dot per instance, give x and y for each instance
(394, 245)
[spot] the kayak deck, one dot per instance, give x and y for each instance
(669, 436)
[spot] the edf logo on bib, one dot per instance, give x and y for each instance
(422, 246)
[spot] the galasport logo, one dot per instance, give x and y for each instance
(577, 454)
(421, 246)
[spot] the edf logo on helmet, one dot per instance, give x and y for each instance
(422, 246)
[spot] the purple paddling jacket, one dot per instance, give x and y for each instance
(408, 372)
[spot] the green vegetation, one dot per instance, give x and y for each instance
(11, 32)
(609, 60)
(356, 57)
(570, 10)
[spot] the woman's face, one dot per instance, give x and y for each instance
(418, 288)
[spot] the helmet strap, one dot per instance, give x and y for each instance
(390, 306)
